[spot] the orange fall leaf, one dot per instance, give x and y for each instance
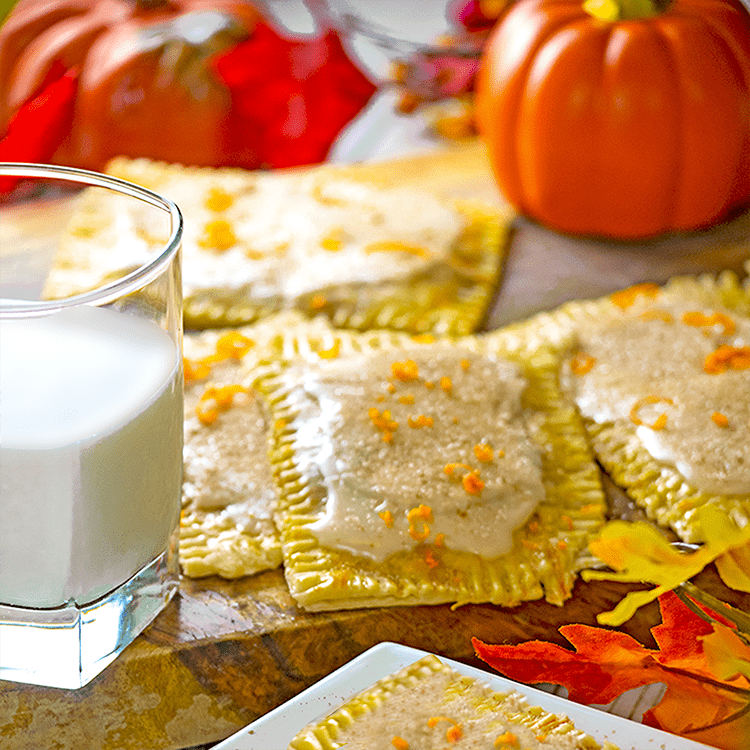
(705, 666)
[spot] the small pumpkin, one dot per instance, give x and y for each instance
(145, 86)
(619, 118)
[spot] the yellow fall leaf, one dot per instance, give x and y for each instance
(727, 655)
(734, 568)
(638, 552)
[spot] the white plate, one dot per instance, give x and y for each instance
(276, 729)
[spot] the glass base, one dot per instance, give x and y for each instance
(68, 646)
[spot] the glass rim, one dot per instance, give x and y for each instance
(112, 291)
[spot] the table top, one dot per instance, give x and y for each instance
(226, 652)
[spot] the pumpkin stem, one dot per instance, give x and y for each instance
(619, 10)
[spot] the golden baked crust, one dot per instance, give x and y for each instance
(428, 704)
(657, 485)
(229, 495)
(330, 240)
(546, 551)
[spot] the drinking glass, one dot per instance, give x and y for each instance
(91, 422)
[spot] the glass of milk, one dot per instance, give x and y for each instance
(90, 428)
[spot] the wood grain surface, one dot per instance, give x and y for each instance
(225, 652)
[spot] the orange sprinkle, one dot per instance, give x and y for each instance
(408, 399)
(391, 388)
(727, 357)
(719, 419)
(581, 363)
(465, 364)
(419, 536)
(430, 559)
(541, 737)
(562, 544)
(420, 513)
(439, 540)
(405, 371)
(508, 739)
(657, 314)
(400, 743)
(423, 338)
(484, 453)
(626, 297)
(534, 527)
(318, 302)
(388, 437)
(218, 199)
(696, 318)
(214, 400)
(568, 521)
(387, 517)
(661, 420)
(472, 483)
(590, 508)
(446, 383)
(332, 352)
(450, 468)
(333, 241)
(421, 421)
(195, 370)
(453, 734)
(382, 421)
(218, 235)
(233, 345)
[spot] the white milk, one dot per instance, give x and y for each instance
(90, 453)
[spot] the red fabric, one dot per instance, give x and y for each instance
(40, 126)
(291, 97)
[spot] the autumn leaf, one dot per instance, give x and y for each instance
(640, 553)
(704, 665)
(734, 568)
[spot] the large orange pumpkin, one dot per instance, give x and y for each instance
(625, 128)
(144, 89)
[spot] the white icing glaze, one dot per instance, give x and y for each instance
(636, 358)
(282, 225)
(365, 476)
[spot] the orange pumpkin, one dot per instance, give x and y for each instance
(619, 128)
(145, 86)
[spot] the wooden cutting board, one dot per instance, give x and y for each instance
(226, 652)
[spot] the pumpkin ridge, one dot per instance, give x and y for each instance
(550, 32)
(569, 12)
(640, 34)
(733, 128)
(558, 202)
(15, 36)
(739, 58)
(37, 59)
